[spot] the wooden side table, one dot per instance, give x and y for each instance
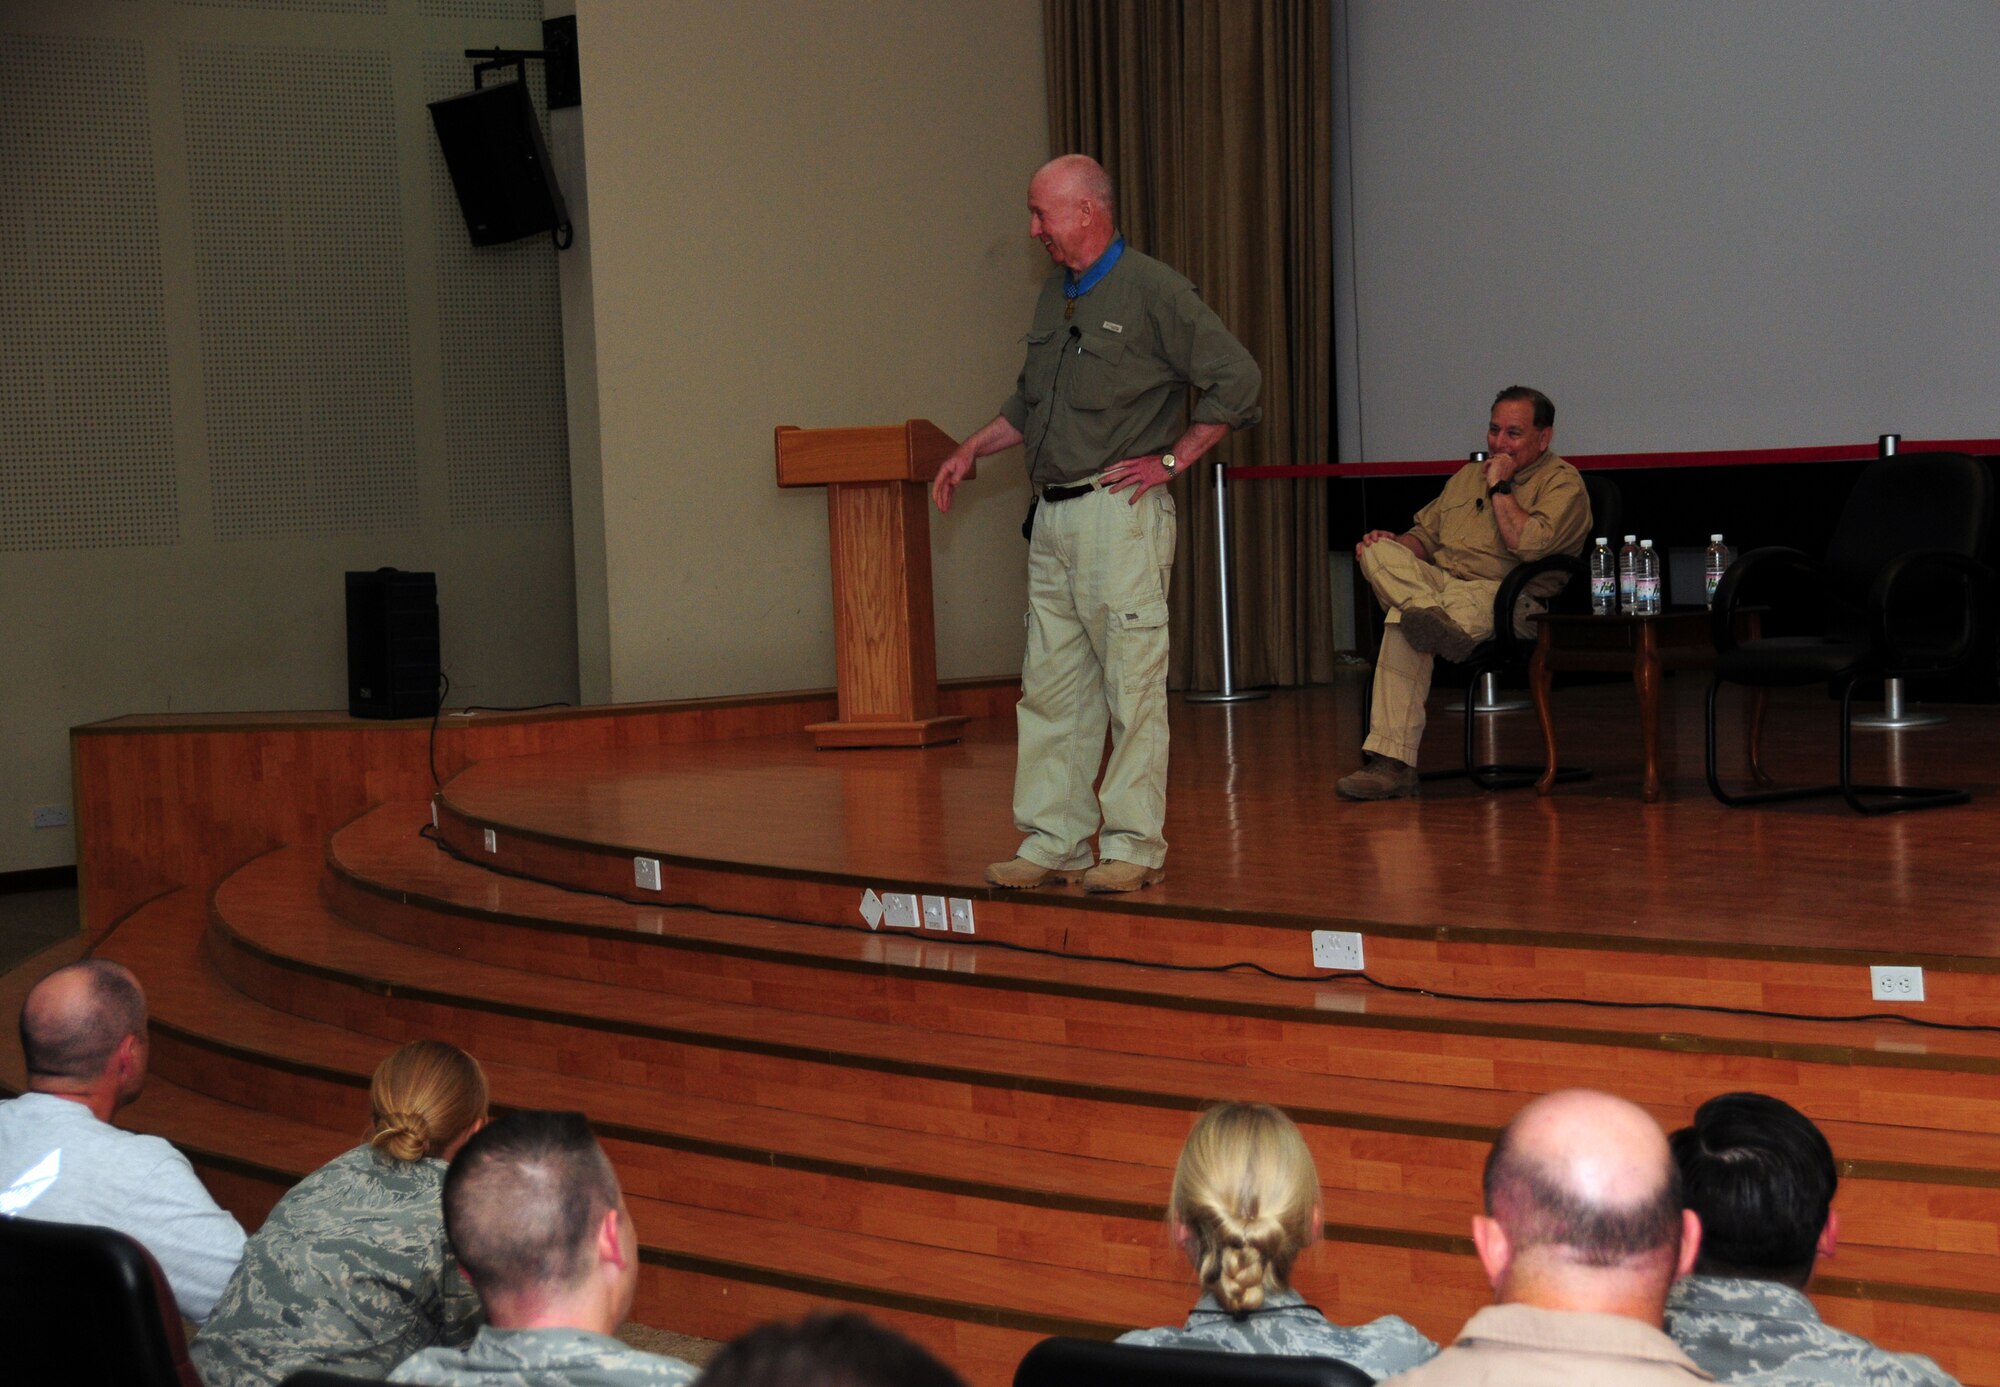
(1647, 646)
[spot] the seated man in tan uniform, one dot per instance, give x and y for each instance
(1437, 580)
(1582, 1235)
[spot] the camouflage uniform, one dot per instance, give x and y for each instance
(350, 1271)
(543, 1358)
(1768, 1333)
(1286, 1325)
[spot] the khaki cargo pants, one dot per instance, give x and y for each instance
(1098, 568)
(1401, 580)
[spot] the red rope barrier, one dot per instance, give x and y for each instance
(1741, 457)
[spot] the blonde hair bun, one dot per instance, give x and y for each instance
(424, 1097)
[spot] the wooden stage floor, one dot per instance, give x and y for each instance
(1256, 829)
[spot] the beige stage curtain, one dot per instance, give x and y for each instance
(1215, 120)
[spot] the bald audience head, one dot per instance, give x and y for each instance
(83, 1033)
(1583, 1209)
(535, 1215)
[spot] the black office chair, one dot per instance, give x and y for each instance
(1899, 594)
(90, 1305)
(1505, 653)
(1094, 1363)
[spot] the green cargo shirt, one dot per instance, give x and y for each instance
(1109, 383)
(350, 1272)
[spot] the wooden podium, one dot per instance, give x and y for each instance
(877, 484)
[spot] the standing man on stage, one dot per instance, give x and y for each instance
(1437, 580)
(1117, 339)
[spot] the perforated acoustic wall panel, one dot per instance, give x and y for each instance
(86, 445)
(299, 270)
(376, 7)
(500, 332)
(506, 11)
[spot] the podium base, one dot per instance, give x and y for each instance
(834, 736)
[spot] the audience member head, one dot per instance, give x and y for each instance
(83, 1035)
(1071, 210)
(1761, 1177)
(1245, 1202)
(1542, 407)
(1583, 1209)
(535, 1215)
(426, 1099)
(826, 1350)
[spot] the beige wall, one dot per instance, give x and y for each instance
(801, 213)
(122, 329)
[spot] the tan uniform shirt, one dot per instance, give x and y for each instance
(1462, 537)
(1523, 1346)
(1557, 1348)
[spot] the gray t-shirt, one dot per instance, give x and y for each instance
(59, 1164)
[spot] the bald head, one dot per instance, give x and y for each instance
(1076, 176)
(1586, 1179)
(74, 1022)
(1070, 212)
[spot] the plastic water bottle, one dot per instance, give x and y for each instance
(1714, 564)
(1647, 580)
(1628, 569)
(1603, 579)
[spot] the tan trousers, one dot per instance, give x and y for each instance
(1098, 568)
(1401, 581)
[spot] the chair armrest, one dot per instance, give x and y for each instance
(1917, 565)
(1508, 596)
(1751, 568)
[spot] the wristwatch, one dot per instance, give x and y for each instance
(1505, 488)
(1170, 462)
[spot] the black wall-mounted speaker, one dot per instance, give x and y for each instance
(392, 644)
(499, 165)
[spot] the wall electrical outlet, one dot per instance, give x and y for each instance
(490, 839)
(1334, 948)
(961, 915)
(934, 913)
(50, 816)
(646, 873)
(871, 908)
(1896, 984)
(900, 910)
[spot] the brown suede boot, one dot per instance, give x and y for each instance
(1113, 875)
(1430, 632)
(1381, 777)
(1019, 874)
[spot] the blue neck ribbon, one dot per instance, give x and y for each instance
(1074, 287)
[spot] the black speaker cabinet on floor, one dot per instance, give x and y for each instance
(392, 644)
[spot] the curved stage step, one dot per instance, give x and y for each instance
(973, 1140)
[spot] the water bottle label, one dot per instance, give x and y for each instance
(1626, 588)
(1713, 579)
(1649, 594)
(1602, 590)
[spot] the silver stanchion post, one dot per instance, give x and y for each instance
(1228, 693)
(1895, 715)
(1486, 696)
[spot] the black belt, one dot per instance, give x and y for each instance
(1068, 493)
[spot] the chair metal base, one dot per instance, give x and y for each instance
(1232, 696)
(1488, 699)
(1896, 715)
(1862, 799)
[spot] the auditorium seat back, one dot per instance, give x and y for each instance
(1062, 1362)
(91, 1305)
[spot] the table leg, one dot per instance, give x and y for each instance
(1539, 679)
(1646, 679)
